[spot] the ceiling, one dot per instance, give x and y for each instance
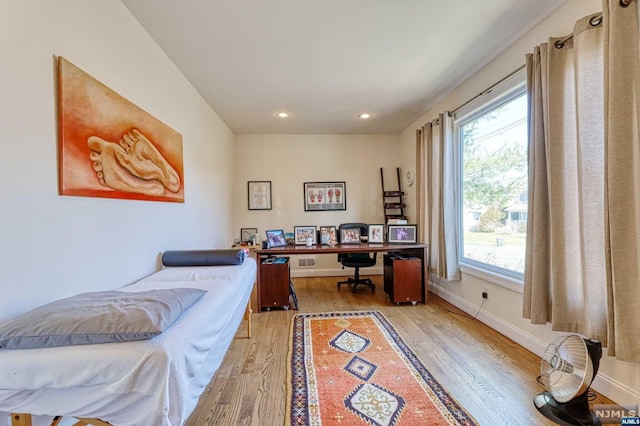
(325, 62)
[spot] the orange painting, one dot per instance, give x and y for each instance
(111, 148)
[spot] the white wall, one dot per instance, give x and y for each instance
(290, 160)
(618, 380)
(53, 246)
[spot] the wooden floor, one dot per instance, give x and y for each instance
(493, 378)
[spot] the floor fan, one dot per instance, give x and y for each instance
(568, 367)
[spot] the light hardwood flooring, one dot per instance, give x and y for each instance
(493, 378)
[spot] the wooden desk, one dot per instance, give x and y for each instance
(416, 250)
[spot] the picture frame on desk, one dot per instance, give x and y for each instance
(248, 234)
(301, 233)
(276, 238)
(402, 234)
(328, 235)
(350, 236)
(325, 196)
(376, 233)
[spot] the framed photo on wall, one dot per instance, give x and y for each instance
(402, 234)
(323, 196)
(301, 233)
(259, 194)
(376, 233)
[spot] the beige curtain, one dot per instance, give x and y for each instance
(437, 195)
(422, 135)
(622, 108)
(582, 270)
(565, 260)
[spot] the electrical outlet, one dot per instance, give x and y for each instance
(485, 293)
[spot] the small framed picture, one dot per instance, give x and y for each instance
(328, 235)
(259, 193)
(302, 233)
(350, 236)
(248, 234)
(275, 238)
(402, 234)
(376, 233)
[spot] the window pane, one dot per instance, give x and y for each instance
(494, 182)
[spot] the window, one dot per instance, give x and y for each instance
(493, 142)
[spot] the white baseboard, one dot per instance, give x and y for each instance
(602, 383)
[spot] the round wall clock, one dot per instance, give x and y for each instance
(410, 177)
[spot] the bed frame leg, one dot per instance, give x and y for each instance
(247, 317)
(19, 419)
(93, 422)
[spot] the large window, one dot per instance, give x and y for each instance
(494, 175)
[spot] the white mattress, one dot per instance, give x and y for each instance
(150, 382)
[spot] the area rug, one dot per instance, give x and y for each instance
(352, 368)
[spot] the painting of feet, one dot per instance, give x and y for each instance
(111, 148)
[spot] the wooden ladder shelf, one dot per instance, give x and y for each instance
(393, 201)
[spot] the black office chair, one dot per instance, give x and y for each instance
(356, 260)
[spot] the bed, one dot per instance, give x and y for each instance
(146, 382)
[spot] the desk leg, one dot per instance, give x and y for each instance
(258, 291)
(425, 272)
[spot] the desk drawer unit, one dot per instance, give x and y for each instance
(274, 285)
(403, 279)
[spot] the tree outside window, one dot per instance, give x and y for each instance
(494, 185)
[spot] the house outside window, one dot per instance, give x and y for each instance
(493, 142)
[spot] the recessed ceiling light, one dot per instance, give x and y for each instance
(364, 115)
(283, 114)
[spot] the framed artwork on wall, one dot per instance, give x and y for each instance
(323, 196)
(111, 148)
(259, 194)
(402, 234)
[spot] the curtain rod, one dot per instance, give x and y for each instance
(488, 90)
(595, 21)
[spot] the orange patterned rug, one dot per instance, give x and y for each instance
(352, 368)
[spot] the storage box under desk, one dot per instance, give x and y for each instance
(403, 279)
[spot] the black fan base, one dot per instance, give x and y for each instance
(574, 412)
